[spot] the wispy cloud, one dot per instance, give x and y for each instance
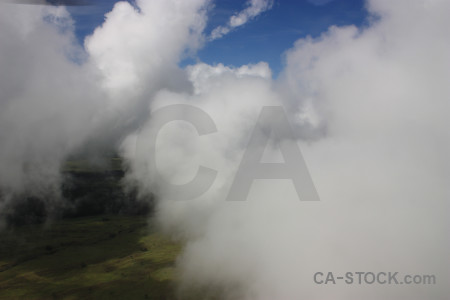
(253, 9)
(320, 2)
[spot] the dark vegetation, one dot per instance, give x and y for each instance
(101, 257)
(93, 190)
(87, 189)
(91, 239)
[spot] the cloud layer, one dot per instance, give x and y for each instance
(47, 102)
(369, 107)
(373, 105)
(56, 96)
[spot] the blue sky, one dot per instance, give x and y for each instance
(264, 38)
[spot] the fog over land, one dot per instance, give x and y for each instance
(369, 107)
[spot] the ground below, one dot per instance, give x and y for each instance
(101, 257)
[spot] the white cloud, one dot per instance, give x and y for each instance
(137, 50)
(46, 101)
(380, 166)
(51, 105)
(253, 9)
(320, 2)
(374, 103)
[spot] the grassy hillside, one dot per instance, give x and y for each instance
(87, 188)
(102, 257)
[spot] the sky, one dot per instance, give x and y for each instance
(264, 38)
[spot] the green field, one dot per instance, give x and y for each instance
(102, 257)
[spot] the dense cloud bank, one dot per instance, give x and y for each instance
(369, 108)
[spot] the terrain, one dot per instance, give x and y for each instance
(99, 244)
(97, 257)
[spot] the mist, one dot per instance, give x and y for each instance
(368, 106)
